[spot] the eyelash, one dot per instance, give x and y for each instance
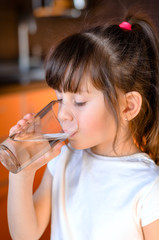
(79, 104)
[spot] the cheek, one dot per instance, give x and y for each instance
(95, 127)
(99, 123)
(92, 122)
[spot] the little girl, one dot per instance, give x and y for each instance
(105, 184)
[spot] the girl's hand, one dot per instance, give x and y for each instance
(34, 166)
(21, 124)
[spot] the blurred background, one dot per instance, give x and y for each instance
(28, 28)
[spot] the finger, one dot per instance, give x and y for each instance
(53, 152)
(29, 116)
(35, 126)
(22, 122)
(57, 147)
(14, 129)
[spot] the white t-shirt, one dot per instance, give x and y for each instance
(102, 198)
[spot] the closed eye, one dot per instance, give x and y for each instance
(80, 104)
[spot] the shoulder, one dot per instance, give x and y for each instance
(145, 167)
(150, 203)
(140, 177)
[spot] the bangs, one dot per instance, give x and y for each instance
(68, 63)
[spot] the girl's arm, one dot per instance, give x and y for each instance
(151, 231)
(28, 214)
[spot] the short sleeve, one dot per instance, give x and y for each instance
(52, 164)
(150, 208)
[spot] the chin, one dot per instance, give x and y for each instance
(79, 146)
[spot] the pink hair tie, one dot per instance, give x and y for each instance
(125, 25)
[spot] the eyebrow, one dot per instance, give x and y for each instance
(78, 92)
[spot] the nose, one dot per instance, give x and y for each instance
(64, 113)
(67, 119)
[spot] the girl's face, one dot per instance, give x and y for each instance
(96, 123)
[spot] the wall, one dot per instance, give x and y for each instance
(13, 106)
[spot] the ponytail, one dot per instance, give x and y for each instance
(145, 127)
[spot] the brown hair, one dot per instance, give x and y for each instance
(114, 58)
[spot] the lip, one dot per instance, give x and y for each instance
(72, 135)
(69, 132)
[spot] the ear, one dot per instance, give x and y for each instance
(132, 105)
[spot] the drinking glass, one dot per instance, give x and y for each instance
(37, 137)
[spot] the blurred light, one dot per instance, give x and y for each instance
(79, 4)
(75, 13)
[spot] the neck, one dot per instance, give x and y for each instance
(118, 149)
